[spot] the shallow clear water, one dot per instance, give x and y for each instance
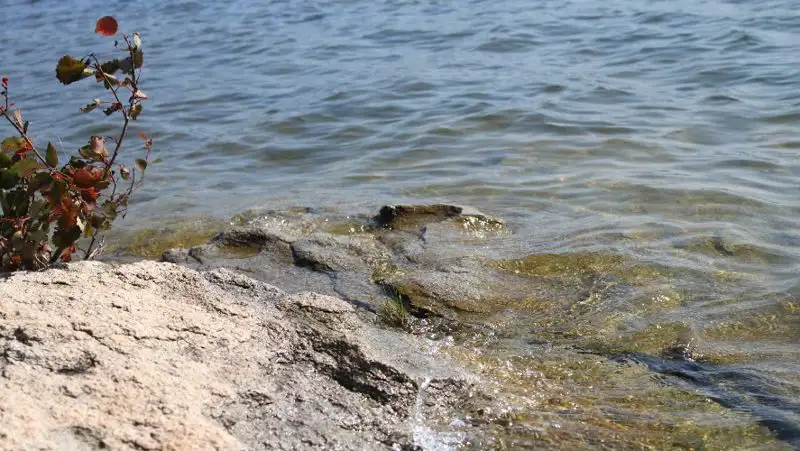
(665, 130)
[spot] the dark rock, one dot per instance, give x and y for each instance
(411, 217)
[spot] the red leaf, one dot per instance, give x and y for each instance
(90, 195)
(106, 26)
(67, 213)
(85, 179)
(66, 257)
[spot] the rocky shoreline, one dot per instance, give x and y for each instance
(421, 327)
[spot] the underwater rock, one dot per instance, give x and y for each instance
(325, 252)
(410, 217)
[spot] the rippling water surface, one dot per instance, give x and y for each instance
(663, 130)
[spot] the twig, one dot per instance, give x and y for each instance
(25, 137)
(90, 252)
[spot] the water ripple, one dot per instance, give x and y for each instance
(665, 129)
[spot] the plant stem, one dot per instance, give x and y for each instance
(25, 137)
(124, 117)
(126, 120)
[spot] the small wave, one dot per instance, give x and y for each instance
(507, 45)
(720, 99)
(788, 118)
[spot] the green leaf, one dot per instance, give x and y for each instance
(70, 70)
(4, 205)
(37, 236)
(51, 156)
(8, 179)
(25, 126)
(5, 160)
(91, 106)
(109, 81)
(41, 180)
(25, 167)
(138, 59)
(110, 67)
(110, 210)
(12, 144)
(141, 163)
(57, 191)
(64, 238)
(89, 229)
(19, 201)
(87, 152)
(136, 111)
(99, 222)
(76, 162)
(36, 208)
(17, 240)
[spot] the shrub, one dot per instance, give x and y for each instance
(48, 207)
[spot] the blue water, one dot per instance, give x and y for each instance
(664, 129)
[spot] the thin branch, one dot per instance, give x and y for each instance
(89, 253)
(124, 116)
(25, 137)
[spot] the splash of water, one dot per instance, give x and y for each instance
(426, 437)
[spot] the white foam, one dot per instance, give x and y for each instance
(427, 438)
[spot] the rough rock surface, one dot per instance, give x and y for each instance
(157, 356)
(402, 250)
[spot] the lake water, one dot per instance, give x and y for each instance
(664, 130)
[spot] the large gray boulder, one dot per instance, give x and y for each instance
(157, 356)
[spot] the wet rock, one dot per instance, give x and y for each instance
(291, 250)
(411, 217)
(176, 255)
(404, 245)
(454, 291)
(158, 356)
(287, 225)
(325, 252)
(442, 292)
(440, 265)
(253, 237)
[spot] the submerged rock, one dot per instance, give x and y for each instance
(157, 356)
(325, 252)
(411, 217)
(445, 261)
(300, 251)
